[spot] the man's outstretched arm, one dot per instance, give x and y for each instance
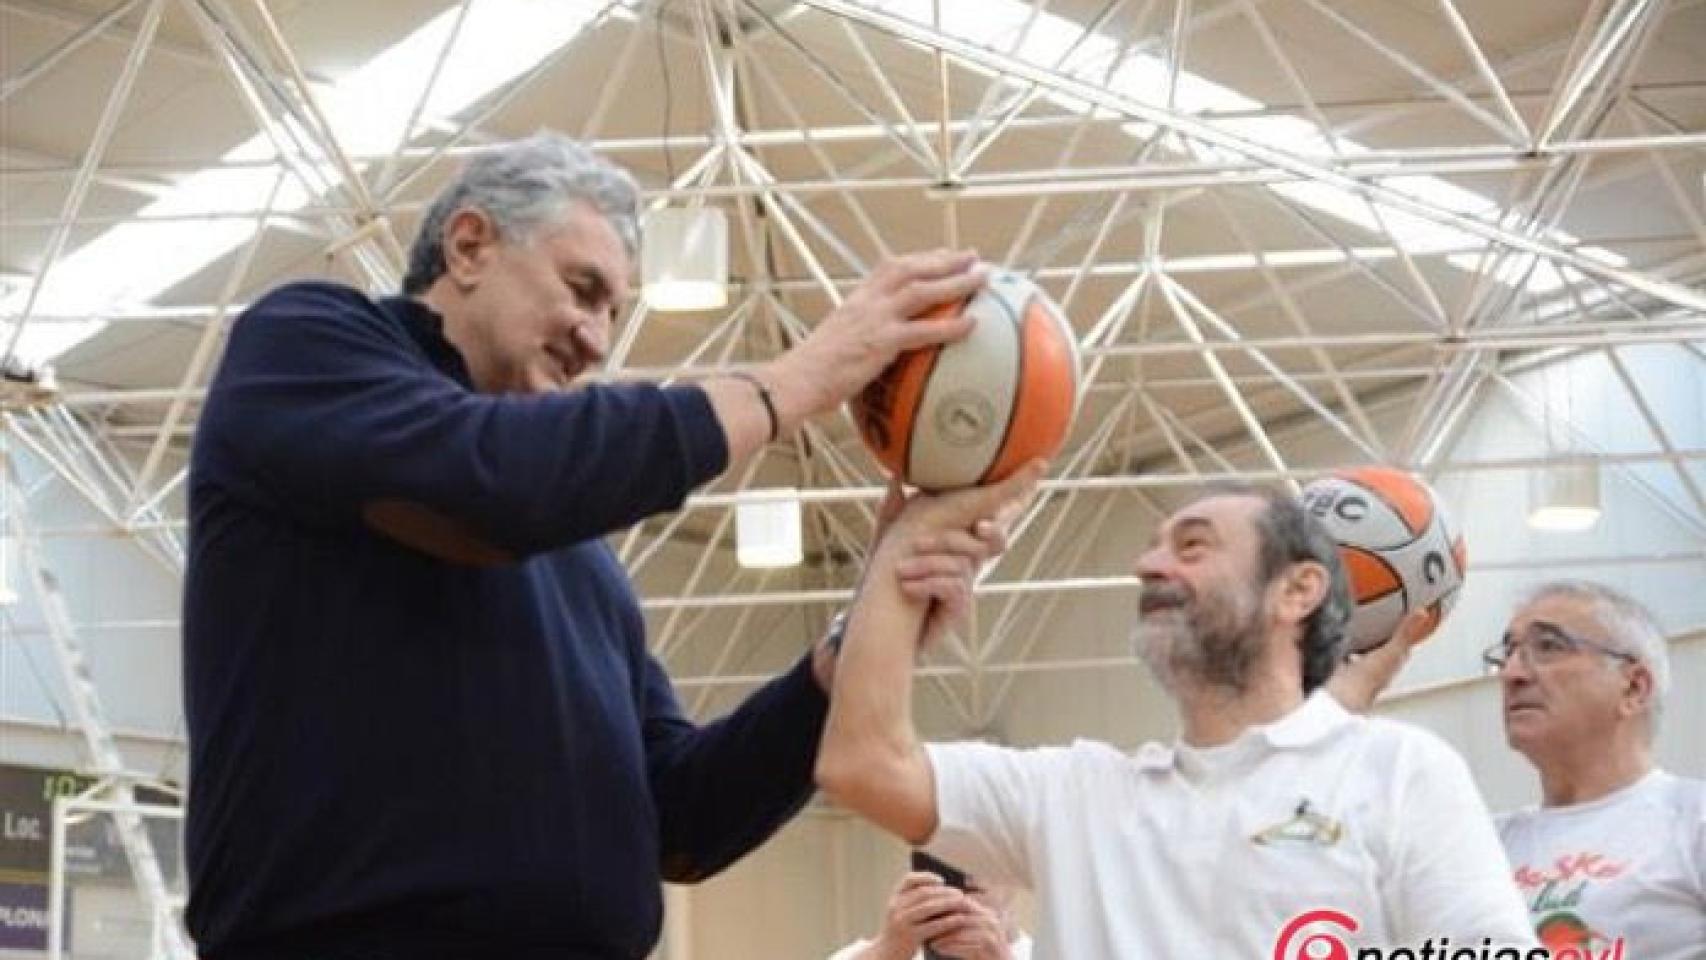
(722, 788)
(871, 760)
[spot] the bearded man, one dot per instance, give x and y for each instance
(1274, 823)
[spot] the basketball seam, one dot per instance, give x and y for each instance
(1018, 323)
(906, 465)
(1414, 534)
(1444, 538)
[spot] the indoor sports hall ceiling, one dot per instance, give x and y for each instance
(1347, 219)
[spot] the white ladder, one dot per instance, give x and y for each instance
(170, 941)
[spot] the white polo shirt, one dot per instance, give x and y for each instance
(1176, 852)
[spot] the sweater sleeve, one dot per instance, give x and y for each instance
(323, 407)
(723, 788)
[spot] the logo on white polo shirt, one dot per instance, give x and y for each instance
(1320, 935)
(1305, 827)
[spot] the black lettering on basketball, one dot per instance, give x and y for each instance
(1351, 508)
(1317, 502)
(1433, 566)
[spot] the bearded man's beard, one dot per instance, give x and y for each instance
(1213, 639)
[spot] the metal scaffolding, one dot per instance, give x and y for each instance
(1202, 261)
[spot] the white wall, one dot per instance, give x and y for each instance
(105, 580)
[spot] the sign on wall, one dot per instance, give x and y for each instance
(93, 852)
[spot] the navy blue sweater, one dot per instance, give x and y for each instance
(393, 756)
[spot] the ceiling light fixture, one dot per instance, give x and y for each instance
(684, 259)
(767, 528)
(1564, 497)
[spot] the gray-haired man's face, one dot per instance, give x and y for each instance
(1569, 694)
(541, 307)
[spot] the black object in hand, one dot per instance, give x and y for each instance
(950, 874)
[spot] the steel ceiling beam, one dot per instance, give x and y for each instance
(117, 98)
(1206, 132)
(36, 69)
(1466, 158)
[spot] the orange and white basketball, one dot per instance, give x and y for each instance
(973, 411)
(1401, 550)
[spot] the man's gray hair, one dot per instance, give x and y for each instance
(522, 185)
(1631, 627)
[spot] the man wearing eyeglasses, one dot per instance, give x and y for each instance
(1617, 848)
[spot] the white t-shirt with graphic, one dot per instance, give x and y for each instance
(1629, 865)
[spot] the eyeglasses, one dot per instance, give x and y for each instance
(1545, 645)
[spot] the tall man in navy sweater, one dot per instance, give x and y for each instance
(423, 722)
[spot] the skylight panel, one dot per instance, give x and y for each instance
(997, 23)
(134, 262)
